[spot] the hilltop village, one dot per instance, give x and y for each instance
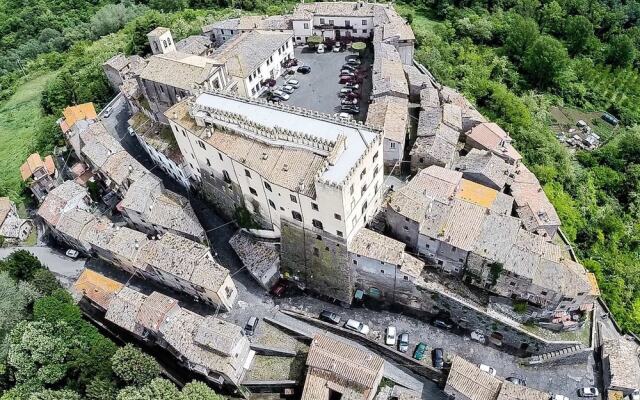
(352, 185)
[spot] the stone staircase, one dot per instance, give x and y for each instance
(556, 355)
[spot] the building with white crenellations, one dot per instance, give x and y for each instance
(313, 175)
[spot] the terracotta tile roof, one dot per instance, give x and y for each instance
(344, 361)
(33, 163)
(97, 287)
(73, 114)
(154, 310)
(469, 381)
(476, 193)
(390, 114)
(123, 310)
(510, 391)
(534, 208)
(491, 137)
(5, 208)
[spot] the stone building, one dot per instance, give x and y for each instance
(390, 115)
(485, 168)
(221, 31)
(621, 366)
(388, 72)
(381, 267)
(67, 197)
(215, 349)
(336, 370)
(40, 175)
(13, 229)
(259, 257)
(119, 68)
(312, 178)
(489, 136)
(74, 120)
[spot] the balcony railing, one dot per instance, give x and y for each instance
(332, 26)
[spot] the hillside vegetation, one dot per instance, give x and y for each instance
(516, 59)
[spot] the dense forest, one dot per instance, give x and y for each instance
(514, 58)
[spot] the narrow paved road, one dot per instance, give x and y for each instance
(65, 268)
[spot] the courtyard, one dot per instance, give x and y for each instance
(318, 90)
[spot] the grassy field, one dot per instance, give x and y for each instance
(18, 119)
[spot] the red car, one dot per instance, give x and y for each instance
(279, 288)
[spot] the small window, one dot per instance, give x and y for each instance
(296, 215)
(247, 173)
(272, 204)
(318, 237)
(293, 198)
(364, 31)
(317, 224)
(321, 21)
(267, 186)
(364, 207)
(375, 170)
(306, 25)
(351, 190)
(316, 252)
(208, 162)
(339, 233)
(406, 278)
(314, 206)
(392, 145)
(375, 156)
(338, 217)
(512, 283)
(406, 228)
(330, 22)
(220, 156)
(355, 262)
(253, 191)
(225, 176)
(201, 144)
(363, 173)
(364, 22)
(382, 271)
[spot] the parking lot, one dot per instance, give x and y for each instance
(319, 89)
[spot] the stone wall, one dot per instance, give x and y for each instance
(224, 197)
(316, 261)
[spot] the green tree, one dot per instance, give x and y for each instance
(45, 282)
(156, 389)
(139, 43)
(551, 17)
(545, 60)
(100, 389)
(196, 390)
(621, 51)
(21, 265)
(578, 34)
(133, 366)
(523, 32)
(40, 351)
(15, 299)
(48, 394)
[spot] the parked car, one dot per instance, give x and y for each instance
(353, 95)
(294, 83)
(288, 89)
(390, 337)
(71, 253)
(292, 62)
(279, 288)
(437, 358)
(478, 336)
(344, 115)
(438, 323)
(336, 48)
(320, 48)
(350, 109)
(347, 102)
(352, 85)
(346, 90)
(418, 353)
(558, 397)
(330, 317)
(489, 370)
(250, 327)
(517, 381)
(131, 131)
(280, 94)
(403, 342)
(346, 72)
(588, 391)
(357, 326)
(304, 69)
(350, 67)
(107, 112)
(354, 61)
